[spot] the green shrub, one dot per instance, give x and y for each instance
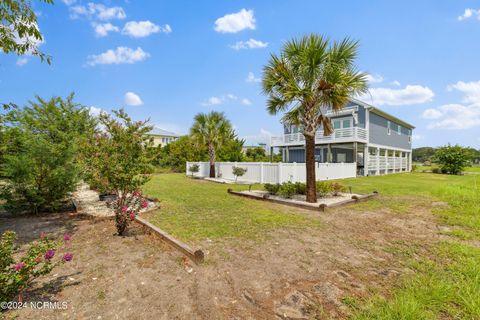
(337, 188)
(324, 188)
(17, 273)
(194, 168)
(41, 158)
(287, 190)
(238, 172)
(300, 188)
(272, 188)
(453, 159)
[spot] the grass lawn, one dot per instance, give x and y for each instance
(197, 210)
(446, 283)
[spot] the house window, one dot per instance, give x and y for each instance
(341, 157)
(399, 131)
(388, 127)
(346, 123)
(409, 139)
(337, 124)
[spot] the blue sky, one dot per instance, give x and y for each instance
(168, 60)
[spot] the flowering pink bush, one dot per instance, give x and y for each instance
(126, 207)
(17, 273)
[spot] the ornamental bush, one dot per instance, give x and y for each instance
(238, 172)
(324, 188)
(452, 159)
(194, 168)
(287, 190)
(18, 272)
(272, 188)
(117, 161)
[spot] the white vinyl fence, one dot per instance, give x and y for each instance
(267, 172)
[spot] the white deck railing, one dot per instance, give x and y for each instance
(339, 135)
(267, 172)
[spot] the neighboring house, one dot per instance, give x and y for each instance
(256, 145)
(162, 137)
(378, 142)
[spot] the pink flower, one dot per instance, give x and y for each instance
(38, 259)
(49, 254)
(42, 235)
(19, 266)
(136, 193)
(144, 204)
(132, 216)
(124, 209)
(67, 257)
(67, 237)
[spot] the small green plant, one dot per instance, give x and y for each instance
(272, 188)
(194, 168)
(338, 188)
(287, 190)
(324, 188)
(300, 188)
(238, 172)
(16, 274)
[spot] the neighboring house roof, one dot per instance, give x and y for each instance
(161, 132)
(383, 113)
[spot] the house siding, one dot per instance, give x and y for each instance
(378, 133)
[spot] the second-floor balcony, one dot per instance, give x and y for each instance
(338, 136)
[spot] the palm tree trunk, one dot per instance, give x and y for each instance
(211, 154)
(310, 167)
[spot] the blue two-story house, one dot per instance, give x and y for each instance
(376, 141)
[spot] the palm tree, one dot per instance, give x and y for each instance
(310, 76)
(211, 130)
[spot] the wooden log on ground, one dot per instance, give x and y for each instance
(196, 256)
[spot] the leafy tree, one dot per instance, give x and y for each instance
(176, 154)
(422, 154)
(256, 154)
(453, 159)
(311, 75)
(194, 168)
(211, 130)
(231, 150)
(19, 32)
(40, 161)
(118, 160)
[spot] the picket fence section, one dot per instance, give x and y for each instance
(267, 172)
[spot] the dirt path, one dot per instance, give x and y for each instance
(294, 274)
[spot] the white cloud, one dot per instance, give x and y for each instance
(69, 2)
(102, 30)
(411, 94)
(249, 44)
(97, 11)
(235, 22)
(431, 114)
(22, 61)
(251, 78)
(94, 111)
(469, 13)
(218, 100)
(455, 115)
(471, 90)
(374, 78)
(396, 83)
(246, 102)
(140, 29)
(120, 55)
(132, 99)
(213, 101)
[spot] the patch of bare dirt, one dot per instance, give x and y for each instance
(295, 274)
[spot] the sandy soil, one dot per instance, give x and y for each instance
(292, 275)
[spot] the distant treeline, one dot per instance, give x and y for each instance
(424, 154)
